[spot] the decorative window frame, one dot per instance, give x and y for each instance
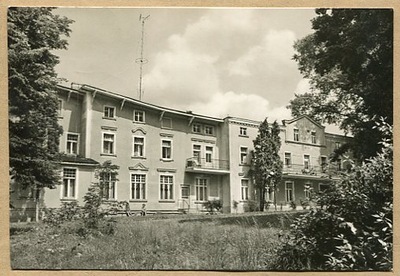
(133, 147)
(130, 187)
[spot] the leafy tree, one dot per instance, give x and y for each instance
(266, 163)
(352, 227)
(93, 210)
(33, 105)
(349, 62)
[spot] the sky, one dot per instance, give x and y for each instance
(216, 62)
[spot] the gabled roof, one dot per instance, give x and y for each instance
(189, 114)
(284, 122)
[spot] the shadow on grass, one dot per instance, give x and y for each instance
(280, 220)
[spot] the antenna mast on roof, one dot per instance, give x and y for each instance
(141, 60)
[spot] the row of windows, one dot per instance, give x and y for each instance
(138, 186)
(289, 190)
(139, 117)
(307, 160)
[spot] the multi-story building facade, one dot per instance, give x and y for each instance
(175, 160)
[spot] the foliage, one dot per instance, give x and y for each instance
(352, 228)
(293, 205)
(69, 211)
(33, 33)
(235, 205)
(304, 203)
(93, 211)
(349, 62)
(252, 206)
(266, 164)
(213, 205)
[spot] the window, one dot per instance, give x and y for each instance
(289, 191)
(197, 152)
(243, 155)
(307, 164)
(166, 187)
(138, 116)
(138, 186)
(109, 112)
(166, 122)
(337, 145)
(108, 185)
(243, 131)
(108, 143)
(166, 149)
(69, 183)
(313, 137)
(138, 146)
(209, 154)
(245, 189)
(72, 143)
(196, 128)
(209, 130)
(201, 189)
(185, 192)
(296, 134)
(288, 159)
(269, 194)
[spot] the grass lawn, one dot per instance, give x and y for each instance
(184, 242)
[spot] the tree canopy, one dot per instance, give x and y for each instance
(266, 163)
(33, 104)
(349, 62)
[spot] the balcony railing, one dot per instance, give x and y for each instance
(206, 163)
(301, 169)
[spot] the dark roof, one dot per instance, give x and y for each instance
(78, 160)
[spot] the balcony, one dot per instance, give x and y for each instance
(324, 171)
(206, 165)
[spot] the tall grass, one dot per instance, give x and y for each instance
(150, 245)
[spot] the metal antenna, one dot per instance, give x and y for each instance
(141, 60)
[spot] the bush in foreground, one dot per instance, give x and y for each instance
(352, 227)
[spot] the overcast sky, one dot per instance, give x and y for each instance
(215, 62)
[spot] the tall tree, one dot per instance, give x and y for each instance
(266, 164)
(349, 62)
(33, 104)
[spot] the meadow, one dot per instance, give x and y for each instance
(183, 242)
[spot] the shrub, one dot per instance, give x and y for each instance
(352, 228)
(252, 206)
(304, 203)
(67, 212)
(293, 205)
(213, 205)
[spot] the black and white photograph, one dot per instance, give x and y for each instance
(200, 138)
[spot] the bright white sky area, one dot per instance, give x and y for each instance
(215, 62)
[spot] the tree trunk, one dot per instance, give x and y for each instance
(37, 204)
(262, 198)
